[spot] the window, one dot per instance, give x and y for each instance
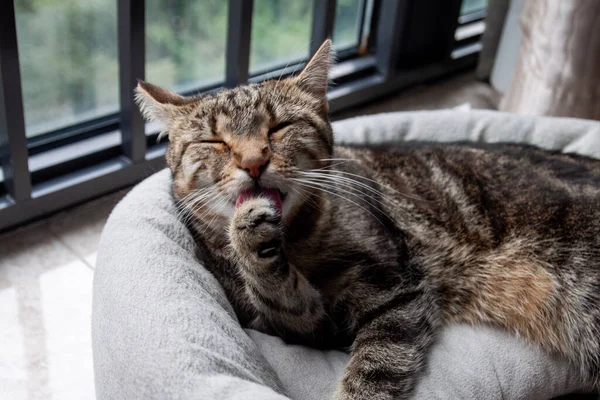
(64, 137)
(185, 43)
(348, 24)
(68, 59)
(280, 33)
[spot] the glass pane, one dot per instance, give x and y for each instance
(280, 32)
(68, 58)
(347, 20)
(186, 42)
(469, 6)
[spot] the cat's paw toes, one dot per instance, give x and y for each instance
(254, 212)
(255, 230)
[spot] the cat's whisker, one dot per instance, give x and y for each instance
(189, 195)
(357, 194)
(283, 70)
(276, 101)
(199, 209)
(319, 187)
(380, 184)
(201, 191)
(341, 161)
(302, 193)
(337, 159)
(279, 94)
(211, 204)
(327, 190)
(296, 68)
(192, 195)
(192, 198)
(218, 204)
(343, 180)
(347, 188)
(329, 166)
(191, 203)
(209, 207)
(307, 193)
(352, 184)
(349, 184)
(196, 205)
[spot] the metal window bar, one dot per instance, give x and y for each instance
(13, 141)
(323, 22)
(239, 30)
(132, 60)
(365, 32)
(360, 23)
(392, 17)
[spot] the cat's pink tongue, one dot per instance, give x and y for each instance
(271, 194)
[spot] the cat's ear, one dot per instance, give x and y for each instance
(158, 104)
(313, 77)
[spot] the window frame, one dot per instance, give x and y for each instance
(65, 167)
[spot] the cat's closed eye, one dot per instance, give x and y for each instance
(279, 127)
(215, 143)
(212, 141)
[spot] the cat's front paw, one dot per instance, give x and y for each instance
(255, 231)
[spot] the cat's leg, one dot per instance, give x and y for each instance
(285, 300)
(390, 349)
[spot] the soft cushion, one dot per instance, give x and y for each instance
(162, 327)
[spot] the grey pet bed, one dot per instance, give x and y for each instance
(162, 327)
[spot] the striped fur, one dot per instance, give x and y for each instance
(376, 250)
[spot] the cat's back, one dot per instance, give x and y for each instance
(502, 189)
(522, 165)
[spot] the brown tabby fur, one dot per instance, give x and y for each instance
(376, 250)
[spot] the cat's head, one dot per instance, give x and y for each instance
(246, 139)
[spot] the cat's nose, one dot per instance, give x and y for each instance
(254, 166)
(253, 159)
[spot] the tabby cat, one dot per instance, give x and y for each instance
(374, 250)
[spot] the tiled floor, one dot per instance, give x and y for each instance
(46, 272)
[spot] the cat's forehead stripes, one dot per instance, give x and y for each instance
(251, 123)
(248, 109)
(238, 99)
(235, 111)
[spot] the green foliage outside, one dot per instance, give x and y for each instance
(69, 49)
